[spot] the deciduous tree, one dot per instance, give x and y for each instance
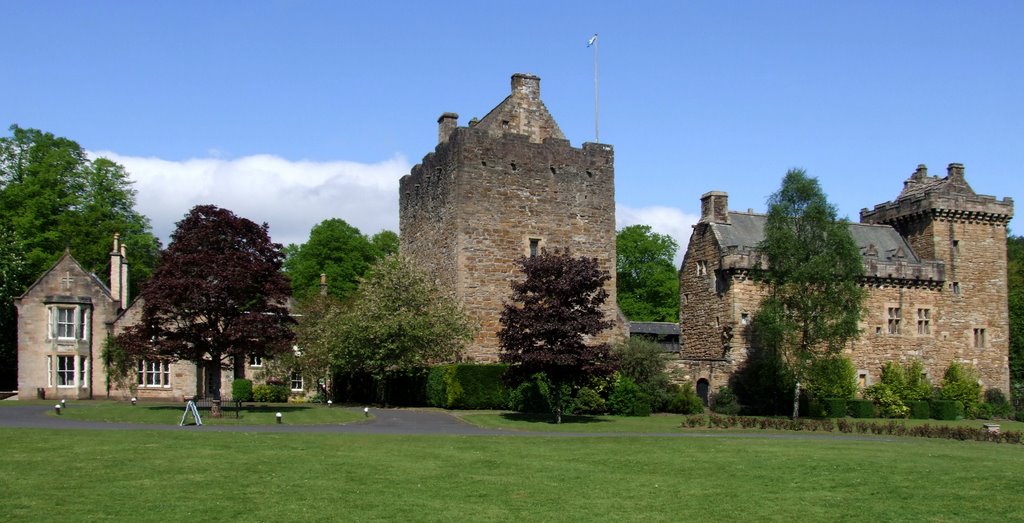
(647, 284)
(546, 325)
(398, 321)
(812, 304)
(1015, 280)
(217, 294)
(338, 250)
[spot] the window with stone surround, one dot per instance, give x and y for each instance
(67, 322)
(154, 374)
(895, 317)
(534, 247)
(863, 379)
(979, 338)
(296, 382)
(744, 319)
(702, 268)
(255, 361)
(66, 371)
(924, 321)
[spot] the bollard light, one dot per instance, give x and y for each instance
(279, 417)
(330, 403)
(134, 399)
(57, 408)
(366, 411)
(63, 403)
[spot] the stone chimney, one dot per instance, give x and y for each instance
(323, 284)
(955, 172)
(714, 207)
(119, 272)
(527, 85)
(445, 125)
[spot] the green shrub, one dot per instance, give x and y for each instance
(531, 396)
(1001, 407)
(270, 393)
(467, 386)
(919, 409)
(241, 390)
(835, 407)
(889, 403)
(588, 401)
(832, 377)
(861, 408)
(643, 361)
(627, 399)
(947, 409)
(960, 383)
(725, 402)
(981, 411)
(684, 400)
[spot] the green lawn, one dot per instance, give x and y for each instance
(170, 413)
(140, 475)
(658, 423)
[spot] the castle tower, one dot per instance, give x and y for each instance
(943, 219)
(505, 187)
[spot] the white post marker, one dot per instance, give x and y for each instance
(134, 399)
(366, 411)
(278, 417)
(56, 408)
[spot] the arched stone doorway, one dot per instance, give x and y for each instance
(703, 388)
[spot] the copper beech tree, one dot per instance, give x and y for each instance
(216, 297)
(545, 329)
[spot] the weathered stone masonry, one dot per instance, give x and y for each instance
(935, 270)
(494, 191)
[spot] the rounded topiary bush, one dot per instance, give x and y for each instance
(627, 399)
(683, 400)
(241, 390)
(588, 401)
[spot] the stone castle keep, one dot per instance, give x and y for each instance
(502, 188)
(510, 184)
(935, 272)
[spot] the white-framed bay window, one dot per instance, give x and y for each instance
(154, 374)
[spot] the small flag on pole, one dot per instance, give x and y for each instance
(592, 40)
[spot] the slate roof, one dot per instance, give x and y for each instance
(744, 231)
(654, 327)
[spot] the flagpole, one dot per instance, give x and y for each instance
(597, 138)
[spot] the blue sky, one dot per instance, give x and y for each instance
(292, 112)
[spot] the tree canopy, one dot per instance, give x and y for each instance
(398, 321)
(338, 250)
(54, 197)
(812, 305)
(547, 322)
(217, 294)
(647, 283)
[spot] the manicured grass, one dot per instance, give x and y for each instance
(658, 423)
(170, 413)
(139, 475)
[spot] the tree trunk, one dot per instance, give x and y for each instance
(796, 401)
(215, 385)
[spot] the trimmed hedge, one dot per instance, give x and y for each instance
(270, 393)
(861, 408)
(834, 407)
(947, 409)
(241, 390)
(467, 386)
(919, 409)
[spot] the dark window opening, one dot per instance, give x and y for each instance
(534, 247)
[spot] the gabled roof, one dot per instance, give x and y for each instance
(659, 328)
(920, 184)
(522, 112)
(70, 259)
(746, 230)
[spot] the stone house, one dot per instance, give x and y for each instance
(64, 319)
(504, 187)
(935, 271)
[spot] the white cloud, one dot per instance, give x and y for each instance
(291, 196)
(663, 220)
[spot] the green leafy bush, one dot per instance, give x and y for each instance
(919, 409)
(684, 400)
(270, 393)
(960, 383)
(861, 408)
(588, 401)
(888, 401)
(1001, 407)
(531, 395)
(627, 399)
(725, 402)
(241, 390)
(947, 409)
(835, 407)
(643, 361)
(832, 377)
(467, 386)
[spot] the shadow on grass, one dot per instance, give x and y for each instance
(549, 419)
(230, 407)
